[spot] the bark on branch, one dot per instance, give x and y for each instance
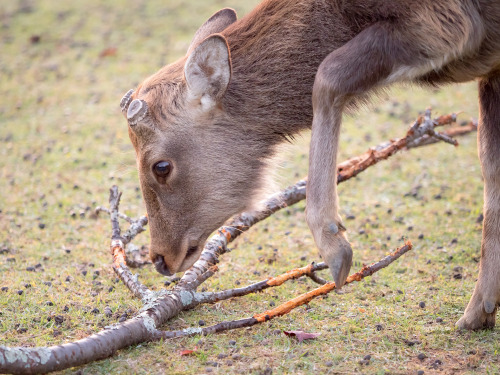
(161, 306)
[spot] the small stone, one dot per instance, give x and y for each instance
(329, 364)
(48, 283)
(237, 357)
(68, 279)
(232, 342)
(59, 319)
(421, 236)
(122, 319)
(457, 276)
(95, 311)
(222, 356)
(209, 369)
(364, 362)
(439, 320)
(421, 356)
(201, 323)
(303, 258)
(49, 303)
(66, 309)
(30, 269)
(67, 251)
(84, 273)
(27, 286)
(5, 289)
(20, 292)
(379, 327)
(41, 225)
(229, 363)
(421, 305)
(111, 288)
(420, 372)
(480, 219)
(367, 357)
(272, 304)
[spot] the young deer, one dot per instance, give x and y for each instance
(204, 127)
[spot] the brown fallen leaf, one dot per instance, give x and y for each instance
(188, 352)
(301, 335)
(111, 51)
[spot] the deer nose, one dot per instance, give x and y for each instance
(161, 266)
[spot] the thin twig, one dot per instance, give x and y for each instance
(286, 307)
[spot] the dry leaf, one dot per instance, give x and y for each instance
(188, 352)
(301, 335)
(111, 51)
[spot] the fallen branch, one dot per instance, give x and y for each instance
(161, 306)
(286, 307)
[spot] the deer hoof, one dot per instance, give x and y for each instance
(479, 314)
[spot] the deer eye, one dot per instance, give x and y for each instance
(162, 168)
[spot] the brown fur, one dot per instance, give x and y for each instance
(247, 85)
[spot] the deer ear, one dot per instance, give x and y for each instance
(208, 71)
(214, 25)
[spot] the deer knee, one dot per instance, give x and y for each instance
(328, 89)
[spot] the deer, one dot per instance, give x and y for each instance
(204, 128)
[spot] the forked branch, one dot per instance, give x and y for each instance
(161, 306)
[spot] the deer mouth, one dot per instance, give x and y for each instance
(161, 266)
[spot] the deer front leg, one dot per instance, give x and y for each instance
(482, 307)
(322, 201)
(377, 56)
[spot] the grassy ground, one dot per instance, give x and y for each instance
(63, 69)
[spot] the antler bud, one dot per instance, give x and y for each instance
(127, 98)
(137, 110)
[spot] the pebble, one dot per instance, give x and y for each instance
(379, 327)
(30, 269)
(222, 356)
(49, 303)
(95, 310)
(232, 342)
(201, 323)
(439, 320)
(59, 319)
(421, 236)
(19, 292)
(367, 357)
(421, 305)
(420, 372)
(27, 286)
(329, 364)
(272, 304)
(421, 356)
(41, 225)
(5, 289)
